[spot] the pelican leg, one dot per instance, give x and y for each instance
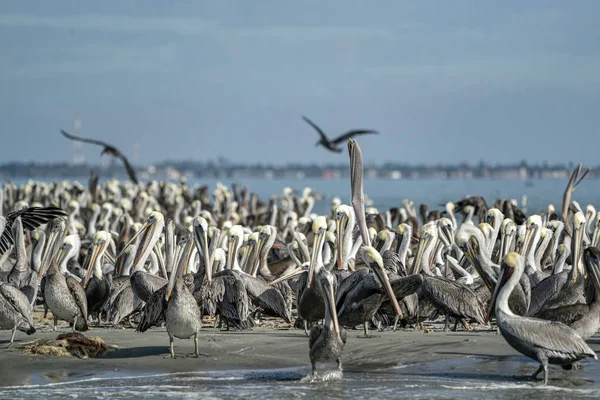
(45, 310)
(339, 364)
(366, 329)
(217, 322)
(12, 337)
(396, 322)
(305, 328)
(196, 354)
(446, 323)
(455, 324)
(172, 346)
(55, 324)
(314, 367)
(74, 323)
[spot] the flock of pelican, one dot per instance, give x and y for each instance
(151, 254)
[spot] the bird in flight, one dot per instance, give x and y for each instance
(333, 145)
(108, 149)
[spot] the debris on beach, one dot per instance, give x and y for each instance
(72, 344)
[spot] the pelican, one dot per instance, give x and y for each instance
(326, 342)
(96, 284)
(547, 342)
(332, 145)
(108, 149)
(15, 311)
(182, 315)
(64, 295)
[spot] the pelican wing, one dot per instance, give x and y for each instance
(85, 140)
(78, 294)
(17, 300)
(321, 133)
(550, 335)
(457, 298)
(348, 284)
(406, 285)
(266, 297)
(154, 311)
(128, 167)
(31, 218)
(342, 138)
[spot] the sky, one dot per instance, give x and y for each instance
(442, 81)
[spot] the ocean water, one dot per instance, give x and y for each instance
(386, 193)
(472, 377)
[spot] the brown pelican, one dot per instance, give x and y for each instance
(108, 149)
(15, 311)
(361, 294)
(64, 295)
(326, 342)
(309, 298)
(96, 284)
(582, 317)
(182, 315)
(333, 144)
(547, 342)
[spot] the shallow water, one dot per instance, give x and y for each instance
(473, 377)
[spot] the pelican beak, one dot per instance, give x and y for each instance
(98, 249)
(356, 182)
(172, 279)
(528, 242)
(383, 278)
(340, 228)
(149, 234)
(144, 228)
(231, 249)
(317, 244)
(255, 256)
(505, 274)
(49, 251)
(201, 242)
(576, 253)
(291, 275)
(161, 260)
(330, 303)
(423, 244)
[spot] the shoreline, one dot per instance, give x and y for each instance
(260, 348)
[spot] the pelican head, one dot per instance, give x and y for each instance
(200, 230)
(150, 233)
(577, 243)
(236, 236)
(591, 258)
(100, 243)
(319, 227)
(532, 226)
(494, 216)
(374, 260)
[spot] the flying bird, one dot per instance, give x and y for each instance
(332, 145)
(108, 149)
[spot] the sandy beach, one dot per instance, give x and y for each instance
(259, 348)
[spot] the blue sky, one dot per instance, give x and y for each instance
(443, 81)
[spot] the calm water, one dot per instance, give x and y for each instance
(386, 193)
(474, 377)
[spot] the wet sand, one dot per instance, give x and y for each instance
(259, 348)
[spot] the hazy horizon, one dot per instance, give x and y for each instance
(443, 82)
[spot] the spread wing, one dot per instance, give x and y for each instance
(31, 218)
(342, 138)
(321, 133)
(128, 167)
(84, 140)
